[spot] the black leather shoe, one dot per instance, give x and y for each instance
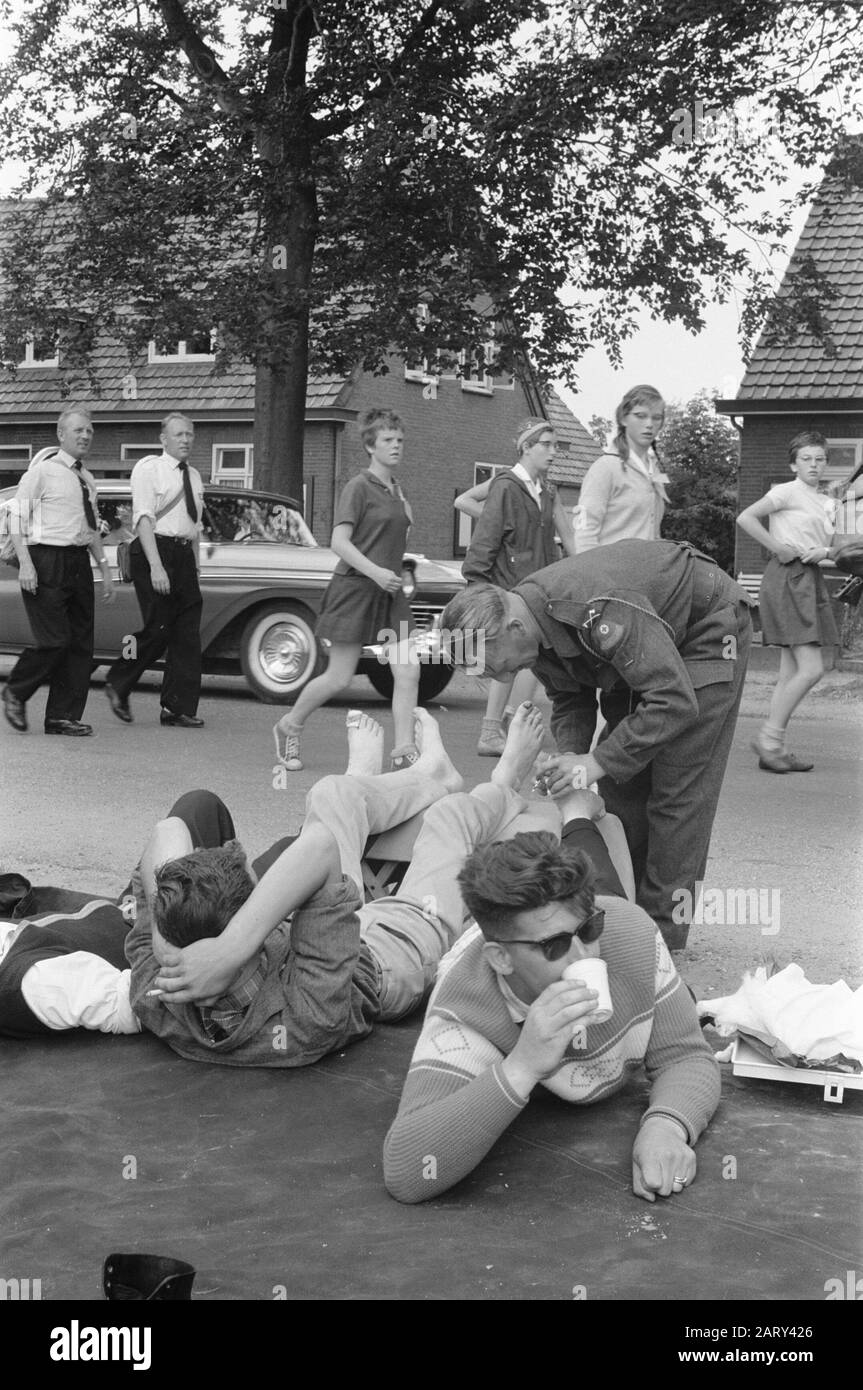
(14, 710)
(180, 721)
(73, 727)
(118, 704)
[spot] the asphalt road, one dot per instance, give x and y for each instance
(76, 811)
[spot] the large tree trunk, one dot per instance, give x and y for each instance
(280, 414)
(290, 224)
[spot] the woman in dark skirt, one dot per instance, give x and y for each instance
(795, 609)
(365, 595)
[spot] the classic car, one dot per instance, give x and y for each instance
(263, 578)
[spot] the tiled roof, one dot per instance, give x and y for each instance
(576, 448)
(833, 237)
(124, 389)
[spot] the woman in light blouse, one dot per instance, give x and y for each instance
(623, 495)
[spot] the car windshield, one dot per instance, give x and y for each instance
(243, 520)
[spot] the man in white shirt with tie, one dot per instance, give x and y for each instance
(167, 505)
(56, 527)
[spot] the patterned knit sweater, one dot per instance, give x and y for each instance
(457, 1101)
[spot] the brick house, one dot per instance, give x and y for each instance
(459, 427)
(787, 389)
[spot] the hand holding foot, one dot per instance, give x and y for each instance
(365, 745)
(523, 742)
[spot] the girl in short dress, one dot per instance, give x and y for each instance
(365, 594)
(795, 610)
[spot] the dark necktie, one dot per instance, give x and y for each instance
(187, 491)
(89, 514)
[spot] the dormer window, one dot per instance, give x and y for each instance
(40, 351)
(417, 369)
(198, 347)
(473, 370)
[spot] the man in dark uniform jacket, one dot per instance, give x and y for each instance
(665, 635)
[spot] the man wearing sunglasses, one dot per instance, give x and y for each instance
(503, 1019)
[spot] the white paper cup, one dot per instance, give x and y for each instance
(593, 974)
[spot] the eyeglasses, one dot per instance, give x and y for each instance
(556, 947)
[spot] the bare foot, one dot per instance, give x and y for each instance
(365, 745)
(433, 760)
(523, 742)
(581, 804)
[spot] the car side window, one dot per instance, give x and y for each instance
(242, 519)
(115, 520)
(222, 518)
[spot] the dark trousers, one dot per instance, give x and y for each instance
(172, 626)
(61, 620)
(583, 835)
(668, 809)
(209, 823)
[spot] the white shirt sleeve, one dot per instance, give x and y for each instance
(80, 990)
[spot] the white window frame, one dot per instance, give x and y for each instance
(15, 453)
(832, 472)
(422, 374)
(495, 469)
(181, 355)
(242, 476)
(30, 361)
(480, 388)
(141, 451)
(465, 522)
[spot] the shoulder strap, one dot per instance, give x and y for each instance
(169, 506)
(44, 454)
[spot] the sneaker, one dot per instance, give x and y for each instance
(406, 757)
(492, 739)
(289, 755)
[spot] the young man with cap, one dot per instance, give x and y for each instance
(167, 505)
(665, 635)
(55, 528)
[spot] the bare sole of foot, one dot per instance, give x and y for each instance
(365, 745)
(523, 743)
(433, 760)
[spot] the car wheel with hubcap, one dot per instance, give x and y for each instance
(279, 653)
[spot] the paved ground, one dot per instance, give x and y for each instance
(76, 811)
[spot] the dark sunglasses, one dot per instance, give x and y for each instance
(556, 947)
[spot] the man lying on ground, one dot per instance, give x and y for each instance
(62, 954)
(246, 992)
(502, 1020)
(62, 963)
(62, 960)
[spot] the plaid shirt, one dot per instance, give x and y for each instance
(221, 1019)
